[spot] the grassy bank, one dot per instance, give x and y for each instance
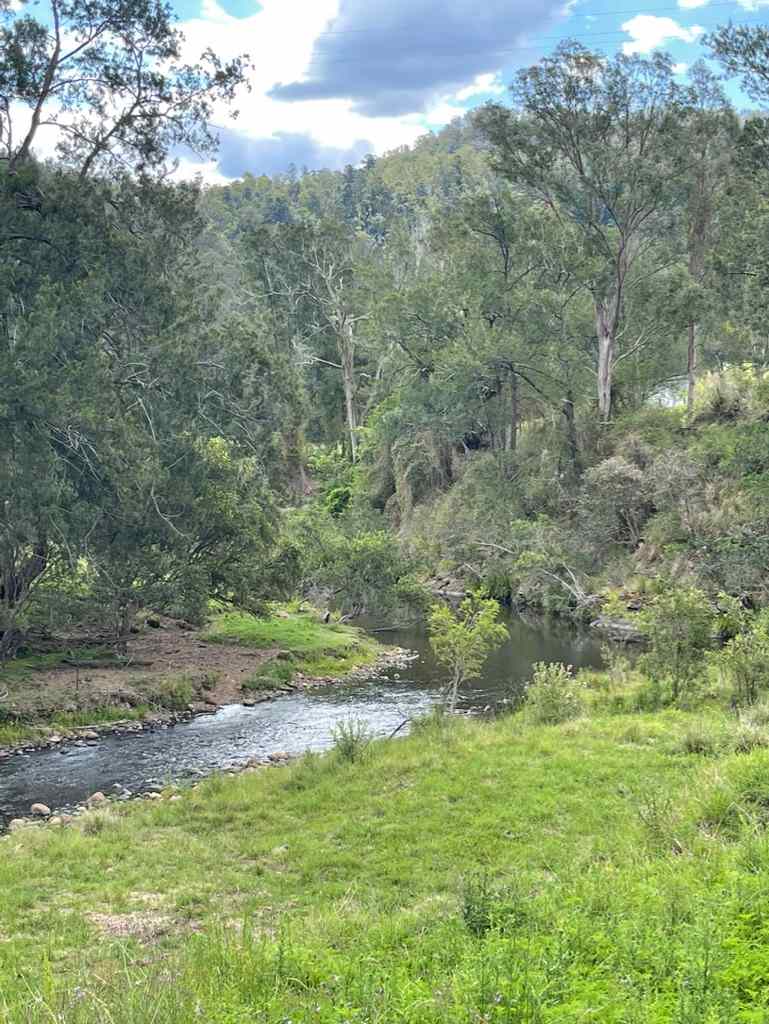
(610, 869)
(166, 669)
(303, 643)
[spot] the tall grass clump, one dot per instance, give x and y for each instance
(352, 738)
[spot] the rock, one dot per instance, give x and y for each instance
(56, 820)
(153, 796)
(284, 655)
(15, 824)
(280, 755)
(89, 734)
(618, 629)
(95, 799)
(66, 819)
(41, 810)
(176, 796)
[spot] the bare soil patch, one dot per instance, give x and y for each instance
(155, 656)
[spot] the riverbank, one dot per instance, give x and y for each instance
(172, 672)
(606, 869)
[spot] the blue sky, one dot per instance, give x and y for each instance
(336, 79)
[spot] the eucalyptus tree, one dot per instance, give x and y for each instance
(709, 137)
(594, 139)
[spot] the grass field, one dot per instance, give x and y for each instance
(613, 869)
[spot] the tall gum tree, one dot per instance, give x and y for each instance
(592, 138)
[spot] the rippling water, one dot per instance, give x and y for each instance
(291, 724)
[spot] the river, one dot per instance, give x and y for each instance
(292, 724)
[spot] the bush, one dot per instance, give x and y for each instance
(351, 740)
(553, 695)
(678, 625)
(744, 662)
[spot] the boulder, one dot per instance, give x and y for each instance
(15, 824)
(56, 820)
(95, 799)
(41, 810)
(619, 630)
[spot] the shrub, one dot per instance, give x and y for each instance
(614, 504)
(553, 695)
(678, 625)
(351, 740)
(744, 662)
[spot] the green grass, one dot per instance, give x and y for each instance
(315, 648)
(14, 733)
(603, 870)
(23, 668)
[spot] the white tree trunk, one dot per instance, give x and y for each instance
(347, 359)
(605, 332)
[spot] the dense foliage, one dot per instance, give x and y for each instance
(528, 353)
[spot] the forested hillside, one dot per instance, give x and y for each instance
(529, 352)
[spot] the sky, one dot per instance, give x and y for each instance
(333, 80)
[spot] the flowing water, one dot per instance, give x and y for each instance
(291, 724)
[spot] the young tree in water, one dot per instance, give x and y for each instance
(593, 139)
(462, 641)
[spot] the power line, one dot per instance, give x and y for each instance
(582, 14)
(536, 40)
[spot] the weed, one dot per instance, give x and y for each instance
(351, 740)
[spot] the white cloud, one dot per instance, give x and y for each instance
(648, 32)
(481, 84)
(680, 69)
(279, 40)
(691, 4)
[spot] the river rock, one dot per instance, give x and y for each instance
(618, 629)
(153, 796)
(41, 810)
(95, 799)
(56, 820)
(15, 824)
(89, 734)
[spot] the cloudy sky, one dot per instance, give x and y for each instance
(336, 79)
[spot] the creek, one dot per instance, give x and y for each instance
(291, 724)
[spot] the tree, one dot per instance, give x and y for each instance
(592, 138)
(743, 50)
(462, 641)
(109, 80)
(709, 134)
